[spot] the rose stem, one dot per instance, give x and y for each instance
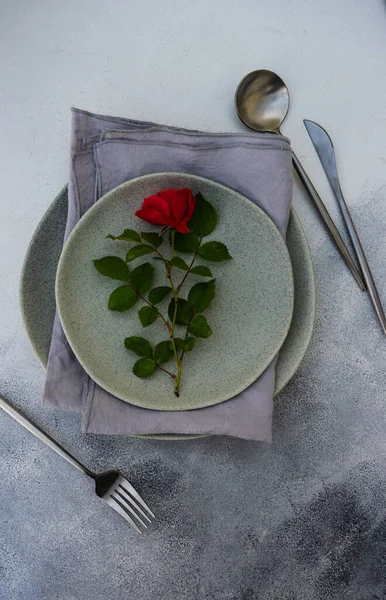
(172, 236)
(166, 323)
(164, 320)
(185, 338)
(150, 304)
(175, 295)
(190, 266)
(165, 371)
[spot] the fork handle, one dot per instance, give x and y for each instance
(44, 437)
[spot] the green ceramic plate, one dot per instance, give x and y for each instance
(37, 293)
(250, 315)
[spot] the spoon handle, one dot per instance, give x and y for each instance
(331, 227)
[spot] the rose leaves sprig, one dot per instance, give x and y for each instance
(187, 219)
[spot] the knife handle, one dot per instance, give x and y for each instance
(330, 225)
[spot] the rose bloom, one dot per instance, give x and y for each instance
(173, 208)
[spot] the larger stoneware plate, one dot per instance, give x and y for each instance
(37, 293)
(250, 315)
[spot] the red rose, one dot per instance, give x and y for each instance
(170, 207)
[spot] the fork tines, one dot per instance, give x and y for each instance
(123, 498)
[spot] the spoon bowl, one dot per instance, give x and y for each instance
(262, 101)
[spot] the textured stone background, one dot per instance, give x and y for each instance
(303, 518)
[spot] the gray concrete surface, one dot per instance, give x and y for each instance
(303, 518)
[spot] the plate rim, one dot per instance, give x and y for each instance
(311, 324)
(98, 207)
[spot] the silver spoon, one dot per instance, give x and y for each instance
(262, 103)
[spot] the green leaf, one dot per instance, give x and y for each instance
(163, 352)
(204, 219)
(139, 345)
(152, 238)
(214, 251)
(201, 270)
(129, 235)
(178, 262)
(179, 343)
(122, 298)
(199, 327)
(184, 312)
(147, 315)
(137, 251)
(201, 295)
(142, 277)
(185, 345)
(157, 294)
(113, 267)
(185, 242)
(189, 344)
(144, 367)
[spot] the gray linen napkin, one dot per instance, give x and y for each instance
(107, 151)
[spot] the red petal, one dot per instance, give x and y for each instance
(167, 196)
(182, 227)
(157, 203)
(155, 211)
(191, 206)
(180, 205)
(151, 216)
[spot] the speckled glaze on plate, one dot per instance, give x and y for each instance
(37, 293)
(250, 315)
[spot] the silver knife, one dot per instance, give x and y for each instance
(325, 149)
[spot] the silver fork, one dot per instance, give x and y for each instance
(110, 486)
